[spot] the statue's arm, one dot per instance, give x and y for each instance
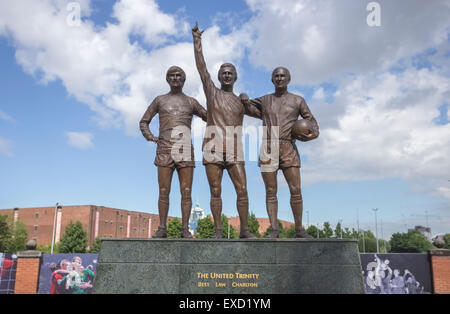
(208, 84)
(151, 111)
(306, 114)
(252, 106)
(199, 110)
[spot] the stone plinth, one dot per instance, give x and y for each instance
(197, 266)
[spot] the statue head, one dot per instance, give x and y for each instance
(176, 76)
(227, 74)
(281, 77)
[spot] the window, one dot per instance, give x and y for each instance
(121, 229)
(35, 228)
(36, 215)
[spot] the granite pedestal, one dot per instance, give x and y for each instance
(247, 266)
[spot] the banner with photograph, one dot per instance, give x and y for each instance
(396, 273)
(67, 273)
(8, 267)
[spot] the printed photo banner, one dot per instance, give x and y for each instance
(67, 273)
(400, 273)
(8, 267)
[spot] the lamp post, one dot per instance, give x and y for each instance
(359, 231)
(54, 227)
(376, 229)
(364, 242)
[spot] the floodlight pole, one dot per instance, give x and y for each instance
(376, 229)
(54, 228)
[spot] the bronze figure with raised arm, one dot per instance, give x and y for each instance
(279, 112)
(222, 145)
(175, 111)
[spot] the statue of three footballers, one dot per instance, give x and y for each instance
(222, 149)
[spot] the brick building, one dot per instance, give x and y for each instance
(98, 221)
(264, 223)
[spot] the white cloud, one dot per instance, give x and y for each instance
(80, 140)
(386, 130)
(144, 18)
(379, 124)
(320, 40)
(5, 147)
(319, 94)
(101, 66)
(5, 116)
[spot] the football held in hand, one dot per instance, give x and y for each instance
(302, 129)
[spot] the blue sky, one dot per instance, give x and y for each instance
(71, 98)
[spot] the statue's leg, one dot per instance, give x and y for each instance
(292, 175)
(271, 184)
(164, 180)
(239, 179)
(185, 176)
(214, 173)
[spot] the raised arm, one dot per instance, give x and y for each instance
(252, 106)
(151, 111)
(208, 84)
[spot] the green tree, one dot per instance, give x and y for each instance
(411, 242)
(313, 231)
(367, 242)
(327, 231)
(46, 248)
(174, 229)
(269, 229)
(354, 234)
(287, 233)
(385, 246)
(447, 241)
(233, 233)
(95, 246)
(74, 239)
(13, 235)
(205, 228)
(349, 234)
(5, 234)
(338, 232)
(19, 241)
(370, 245)
(253, 225)
(369, 234)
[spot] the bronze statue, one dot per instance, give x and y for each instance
(281, 110)
(225, 111)
(175, 110)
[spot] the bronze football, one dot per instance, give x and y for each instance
(301, 129)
